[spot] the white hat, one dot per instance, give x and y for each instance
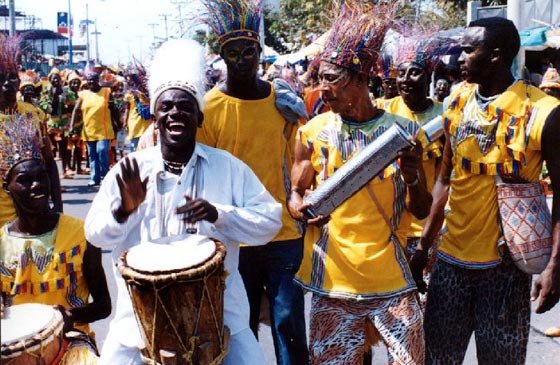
(178, 64)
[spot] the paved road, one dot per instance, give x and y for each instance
(542, 349)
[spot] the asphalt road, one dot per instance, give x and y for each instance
(541, 349)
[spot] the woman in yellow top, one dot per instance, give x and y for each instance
(44, 256)
(98, 111)
(137, 110)
(13, 110)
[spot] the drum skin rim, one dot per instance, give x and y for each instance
(43, 338)
(196, 272)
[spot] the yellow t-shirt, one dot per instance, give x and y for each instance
(355, 256)
(432, 152)
(30, 113)
(96, 115)
(256, 133)
(136, 124)
(47, 268)
(381, 102)
(504, 137)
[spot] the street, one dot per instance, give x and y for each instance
(541, 349)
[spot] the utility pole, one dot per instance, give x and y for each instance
(96, 33)
(179, 18)
(164, 16)
(153, 26)
(87, 36)
(12, 9)
(70, 51)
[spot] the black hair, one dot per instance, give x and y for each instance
(500, 33)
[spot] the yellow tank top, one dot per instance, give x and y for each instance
(355, 256)
(136, 124)
(47, 268)
(501, 138)
(96, 115)
(256, 133)
(432, 152)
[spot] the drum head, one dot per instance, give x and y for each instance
(26, 320)
(183, 253)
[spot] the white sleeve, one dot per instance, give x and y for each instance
(254, 218)
(101, 228)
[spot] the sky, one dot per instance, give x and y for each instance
(127, 27)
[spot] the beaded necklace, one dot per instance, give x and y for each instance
(174, 167)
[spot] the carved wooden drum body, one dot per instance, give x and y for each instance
(177, 291)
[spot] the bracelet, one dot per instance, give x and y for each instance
(414, 182)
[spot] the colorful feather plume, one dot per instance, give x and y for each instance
(234, 19)
(9, 53)
(141, 77)
(421, 46)
(357, 34)
(386, 66)
(20, 139)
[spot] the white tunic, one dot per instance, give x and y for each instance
(246, 213)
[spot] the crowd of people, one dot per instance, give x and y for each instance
(415, 259)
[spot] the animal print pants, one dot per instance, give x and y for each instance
(494, 303)
(338, 329)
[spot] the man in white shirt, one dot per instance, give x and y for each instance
(197, 186)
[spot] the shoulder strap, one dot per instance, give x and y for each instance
(380, 209)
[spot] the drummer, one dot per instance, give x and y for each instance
(44, 256)
(230, 205)
(354, 262)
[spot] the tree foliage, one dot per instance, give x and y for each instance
(298, 22)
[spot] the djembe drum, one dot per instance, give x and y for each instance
(177, 291)
(32, 334)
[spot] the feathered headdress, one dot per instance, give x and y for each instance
(386, 66)
(234, 19)
(422, 47)
(357, 34)
(20, 139)
(140, 75)
(178, 64)
(54, 71)
(29, 78)
(9, 54)
(73, 75)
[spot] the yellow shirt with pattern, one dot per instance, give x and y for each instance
(46, 268)
(502, 138)
(432, 152)
(255, 132)
(355, 256)
(96, 115)
(136, 125)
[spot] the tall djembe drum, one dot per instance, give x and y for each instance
(177, 291)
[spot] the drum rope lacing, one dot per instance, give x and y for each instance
(187, 353)
(39, 340)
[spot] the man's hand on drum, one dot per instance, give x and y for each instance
(66, 317)
(132, 189)
(195, 210)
